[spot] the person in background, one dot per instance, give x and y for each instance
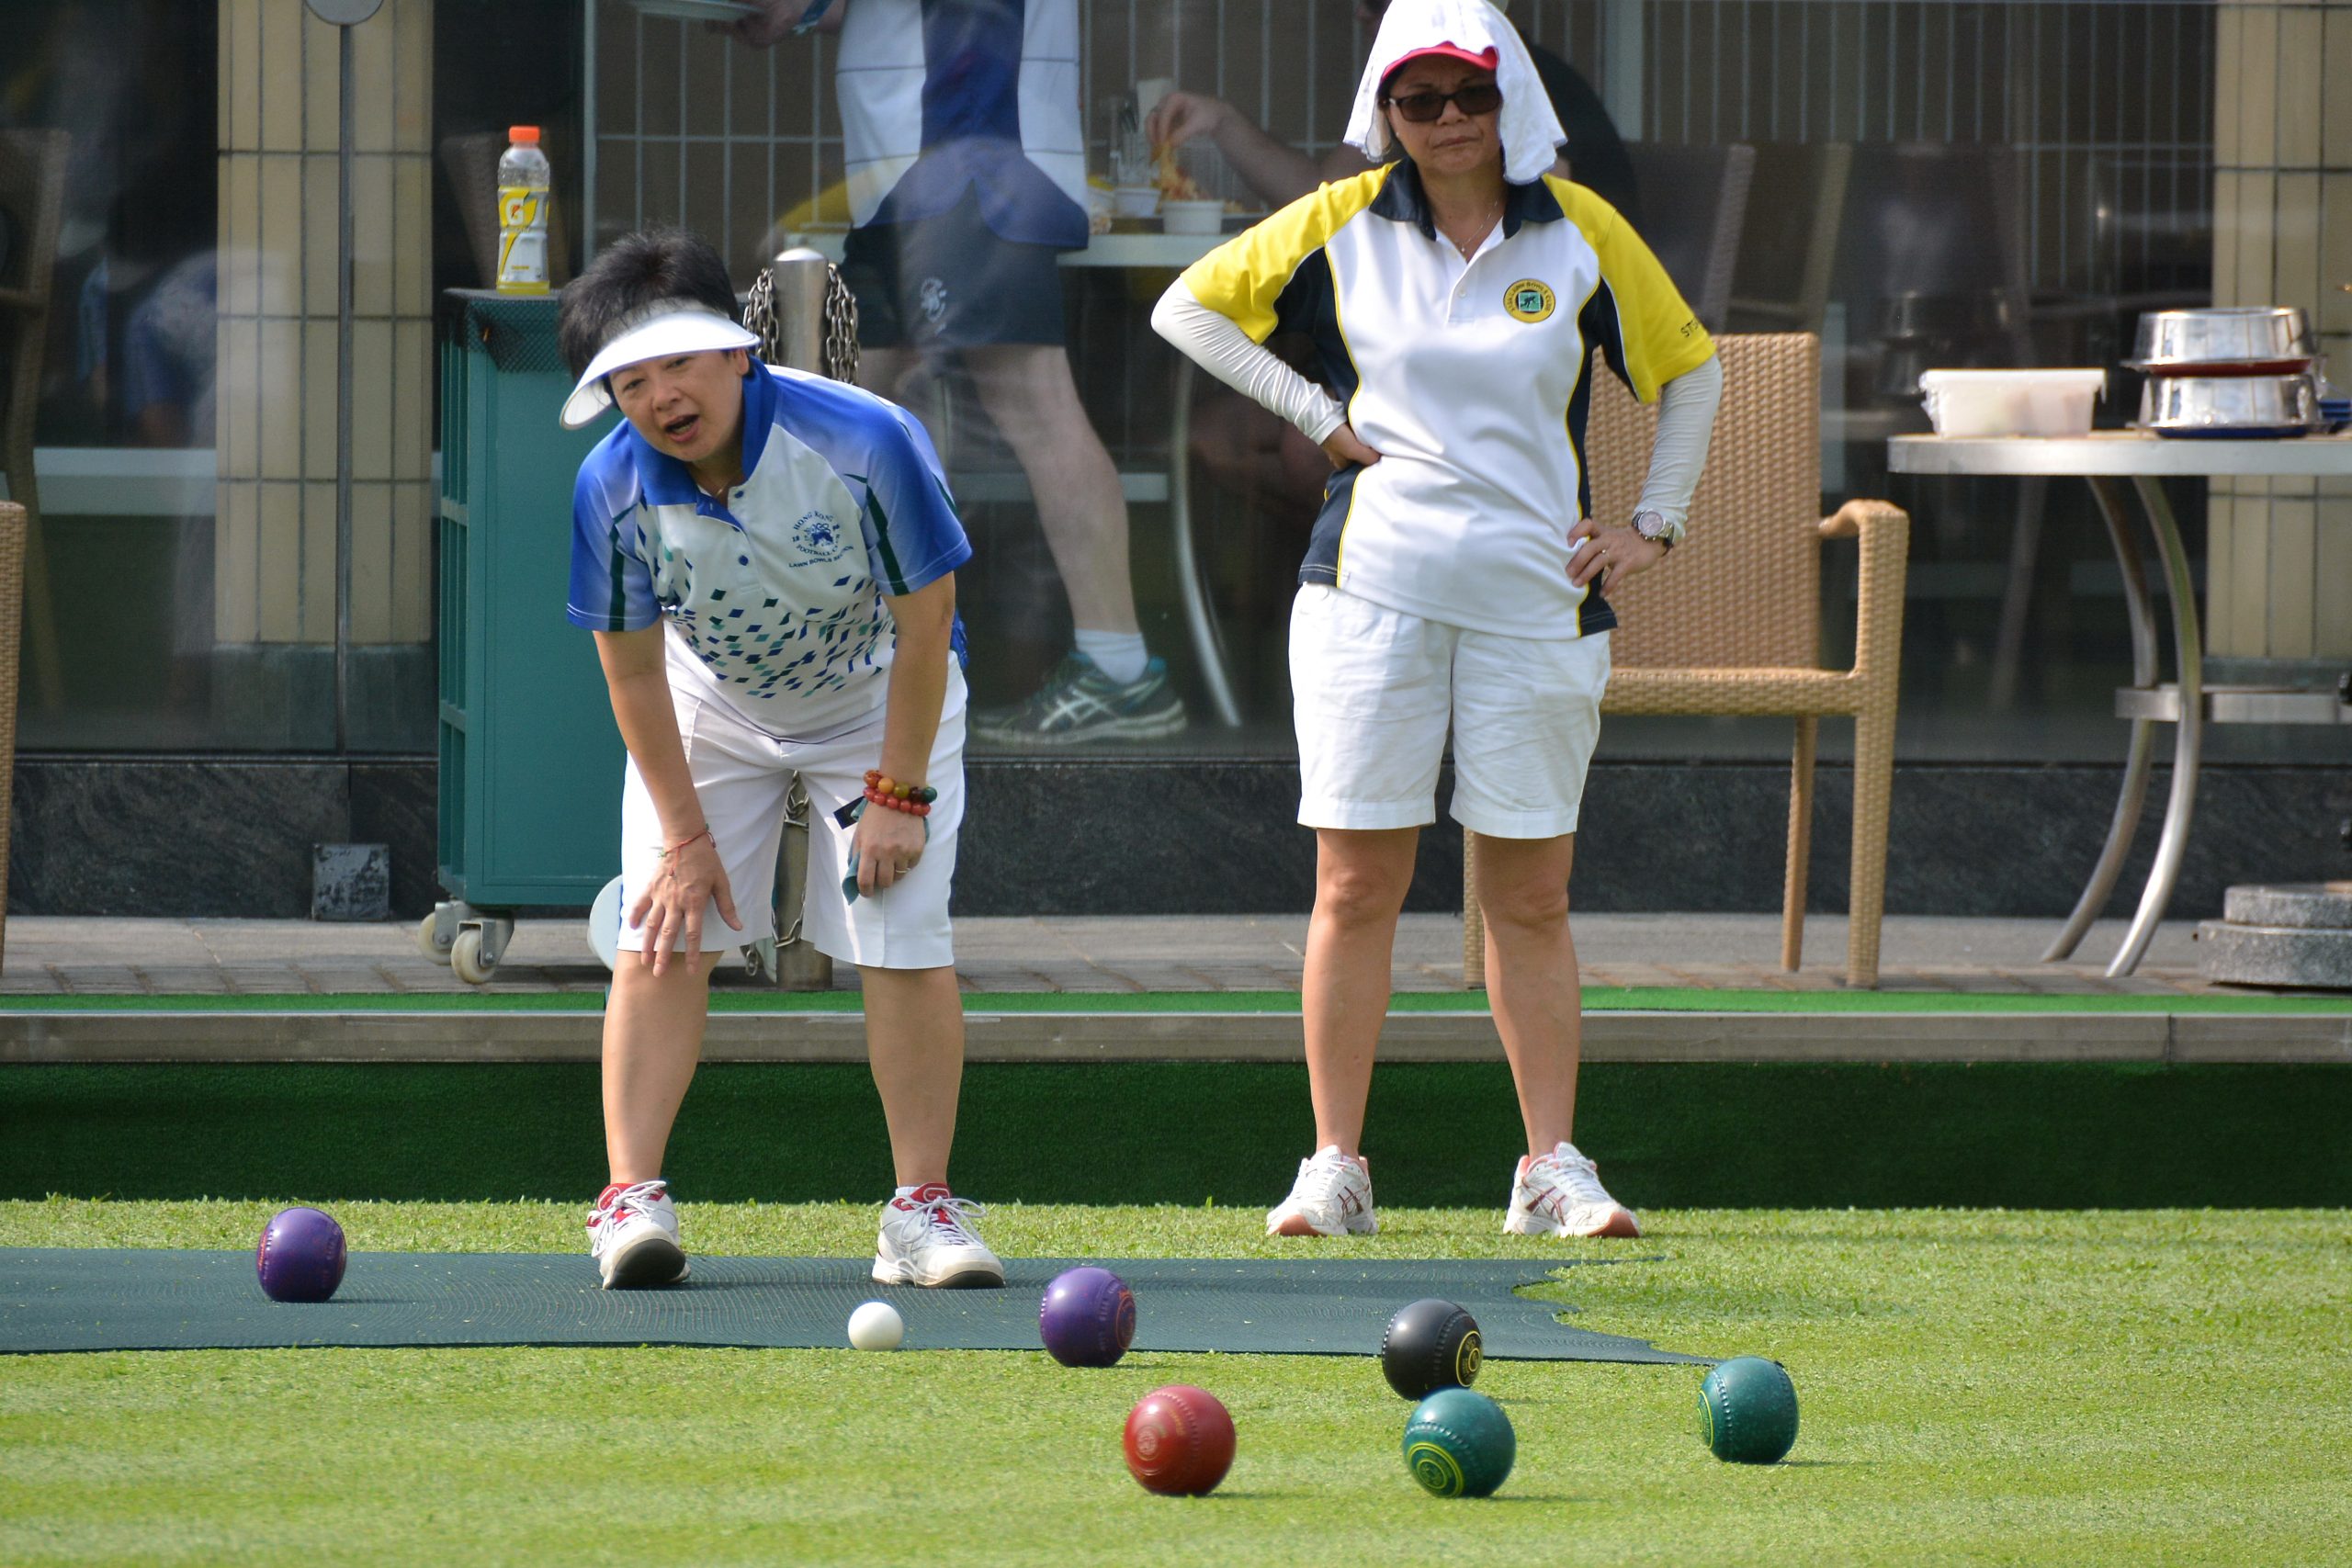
(1453, 580)
(966, 173)
(1248, 452)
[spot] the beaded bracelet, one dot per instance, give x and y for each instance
(875, 793)
(876, 779)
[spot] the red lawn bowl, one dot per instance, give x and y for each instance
(1179, 1440)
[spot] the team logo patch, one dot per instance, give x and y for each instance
(932, 297)
(1529, 301)
(817, 533)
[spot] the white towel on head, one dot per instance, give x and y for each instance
(1531, 132)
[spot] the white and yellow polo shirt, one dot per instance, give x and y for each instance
(1471, 380)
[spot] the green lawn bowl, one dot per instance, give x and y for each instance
(1747, 1411)
(1458, 1443)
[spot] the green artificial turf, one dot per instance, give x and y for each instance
(1991, 1387)
(2061, 1135)
(1599, 999)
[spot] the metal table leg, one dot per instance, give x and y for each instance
(1191, 581)
(2188, 732)
(2108, 493)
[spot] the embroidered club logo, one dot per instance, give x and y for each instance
(817, 533)
(1529, 301)
(932, 299)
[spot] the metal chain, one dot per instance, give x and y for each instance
(759, 315)
(840, 329)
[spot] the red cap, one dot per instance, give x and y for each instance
(1486, 58)
(526, 134)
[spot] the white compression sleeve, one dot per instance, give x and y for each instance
(1212, 340)
(1686, 421)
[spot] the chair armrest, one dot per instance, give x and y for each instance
(1884, 530)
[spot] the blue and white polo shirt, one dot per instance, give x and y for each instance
(776, 593)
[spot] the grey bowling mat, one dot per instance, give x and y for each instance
(85, 1299)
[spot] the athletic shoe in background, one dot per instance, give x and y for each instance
(1560, 1195)
(927, 1239)
(1080, 702)
(633, 1236)
(1331, 1197)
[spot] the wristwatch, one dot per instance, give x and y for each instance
(1652, 526)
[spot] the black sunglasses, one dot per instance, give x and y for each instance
(1477, 98)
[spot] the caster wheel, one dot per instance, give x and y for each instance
(429, 943)
(465, 957)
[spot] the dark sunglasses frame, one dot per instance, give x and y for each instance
(1424, 107)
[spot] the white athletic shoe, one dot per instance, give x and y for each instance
(633, 1236)
(1560, 1195)
(1331, 1197)
(927, 1239)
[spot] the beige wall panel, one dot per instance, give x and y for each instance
(281, 399)
(371, 400)
(2228, 35)
(236, 395)
(236, 602)
(321, 86)
(240, 230)
(2298, 242)
(2258, 87)
(412, 235)
(227, 77)
(412, 398)
(2249, 544)
(318, 562)
(2335, 85)
(281, 76)
(371, 69)
(2220, 527)
(2335, 200)
(2301, 52)
(2332, 552)
(372, 236)
(318, 397)
(281, 228)
(2226, 237)
(279, 566)
(371, 565)
(412, 74)
(411, 601)
(2256, 219)
(2291, 584)
(321, 241)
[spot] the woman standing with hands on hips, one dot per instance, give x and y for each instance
(1454, 577)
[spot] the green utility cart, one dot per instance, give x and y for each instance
(530, 779)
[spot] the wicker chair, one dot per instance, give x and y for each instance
(33, 194)
(1694, 641)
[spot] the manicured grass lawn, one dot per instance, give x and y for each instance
(1977, 1386)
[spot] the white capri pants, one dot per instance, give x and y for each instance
(742, 776)
(1373, 691)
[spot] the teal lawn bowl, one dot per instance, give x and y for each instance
(1747, 1411)
(1459, 1443)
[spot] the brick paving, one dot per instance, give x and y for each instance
(61, 955)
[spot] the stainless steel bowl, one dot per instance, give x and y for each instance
(2237, 340)
(2229, 405)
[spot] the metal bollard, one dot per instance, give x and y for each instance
(799, 278)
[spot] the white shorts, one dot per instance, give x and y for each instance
(1373, 691)
(742, 775)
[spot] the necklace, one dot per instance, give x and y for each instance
(1486, 223)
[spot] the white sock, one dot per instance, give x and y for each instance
(1120, 655)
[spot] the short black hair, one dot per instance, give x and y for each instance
(635, 271)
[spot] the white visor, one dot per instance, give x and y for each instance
(657, 330)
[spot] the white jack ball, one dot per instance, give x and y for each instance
(877, 1325)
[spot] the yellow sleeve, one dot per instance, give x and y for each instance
(1244, 277)
(1661, 337)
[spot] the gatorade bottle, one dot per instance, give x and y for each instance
(523, 177)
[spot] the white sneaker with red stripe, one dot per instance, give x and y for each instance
(1560, 1195)
(1331, 1197)
(928, 1239)
(633, 1236)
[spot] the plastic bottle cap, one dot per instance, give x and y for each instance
(526, 134)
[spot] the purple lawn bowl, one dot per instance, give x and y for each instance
(1088, 1318)
(301, 1255)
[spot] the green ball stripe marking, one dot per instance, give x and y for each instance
(1435, 1468)
(1466, 1358)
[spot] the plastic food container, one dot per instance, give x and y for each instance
(1134, 201)
(1192, 216)
(2011, 402)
